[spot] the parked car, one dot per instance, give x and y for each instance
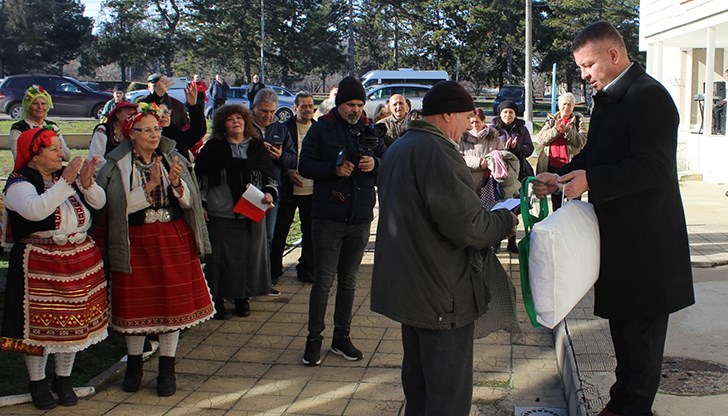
(515, 93)
(239, 95)
(379, 94)
(70, 97)
(94, 86)
(135, 96)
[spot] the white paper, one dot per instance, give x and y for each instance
(508, 204)
(255, 197)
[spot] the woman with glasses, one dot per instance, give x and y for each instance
(56, 298)
(36, 104)
(156, 234)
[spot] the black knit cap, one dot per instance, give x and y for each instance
(508, 104)
(350, 89)
(447, 97)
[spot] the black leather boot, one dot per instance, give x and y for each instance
(64, 390)
(134, 373)
(40, 392)
(220, 312)
(166, 380)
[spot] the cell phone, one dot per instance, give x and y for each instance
(277, 145)
(340, 158)
(179, 83)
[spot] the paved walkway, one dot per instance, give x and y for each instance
(252, 366)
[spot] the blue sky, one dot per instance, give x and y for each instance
(92, 7)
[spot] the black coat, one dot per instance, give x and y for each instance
(319, 156)
(631, 167)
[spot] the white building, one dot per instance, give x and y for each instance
(687, 48)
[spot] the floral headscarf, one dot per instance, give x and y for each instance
(143, 109)
(30, 144)
(33, 92)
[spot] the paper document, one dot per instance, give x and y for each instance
(508, 204)
(251, 204)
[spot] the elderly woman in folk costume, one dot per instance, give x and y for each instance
(107, 135)
(156, 231)
(36, 104)
(56, 297)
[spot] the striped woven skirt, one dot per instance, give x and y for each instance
(165, 290)
(65, 299)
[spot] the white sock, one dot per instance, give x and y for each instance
(168, 344)
(134, 344)
(64, 363)
(36, 366)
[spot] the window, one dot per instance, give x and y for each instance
(69, 87)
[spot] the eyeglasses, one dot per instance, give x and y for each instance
(166, 112)
(148, 130)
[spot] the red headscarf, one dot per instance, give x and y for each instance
(143, 109)
(121, 105)
(30, 144)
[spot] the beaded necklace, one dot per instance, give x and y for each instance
(158, 197)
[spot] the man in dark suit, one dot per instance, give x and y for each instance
(629, 168)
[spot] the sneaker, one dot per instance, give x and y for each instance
(274, 293)
(312, 355)
(344, 348)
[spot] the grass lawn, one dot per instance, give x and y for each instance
(66, 126)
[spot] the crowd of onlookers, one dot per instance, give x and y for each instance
(156, 208)
(120, 238)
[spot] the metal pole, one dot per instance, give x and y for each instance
(528, 114)
(553, 90)
(262, 41)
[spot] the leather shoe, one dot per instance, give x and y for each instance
(220, 312)
(64, 390)
(607, 412)
(40, 392)
(242, 307)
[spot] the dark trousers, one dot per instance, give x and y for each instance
(437, 371)
(286, 213)
(338, 248)
(639, 345)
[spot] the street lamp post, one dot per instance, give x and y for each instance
(262, 41)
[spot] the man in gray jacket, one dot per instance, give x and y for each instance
(431, 239)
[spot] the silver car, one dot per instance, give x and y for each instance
(239, 95)
(379, 94)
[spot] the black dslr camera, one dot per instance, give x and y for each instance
(363, 140)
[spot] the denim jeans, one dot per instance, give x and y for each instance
(338, 249)
(437, 370)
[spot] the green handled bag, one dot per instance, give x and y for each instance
(524, 245)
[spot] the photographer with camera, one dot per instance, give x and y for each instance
(342, 157)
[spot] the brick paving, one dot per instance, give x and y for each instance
(252, 366)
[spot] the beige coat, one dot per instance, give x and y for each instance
(575, 136)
